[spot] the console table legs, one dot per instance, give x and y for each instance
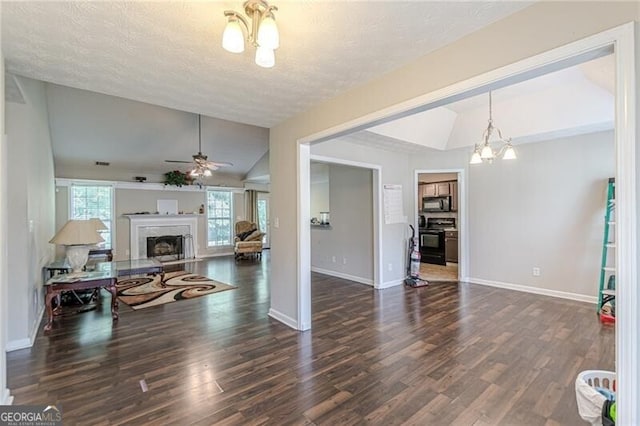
(53, 291)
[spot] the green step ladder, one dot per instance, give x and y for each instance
(607, 290)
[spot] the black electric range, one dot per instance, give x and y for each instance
(432, 248)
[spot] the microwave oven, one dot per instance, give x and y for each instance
(436, 204)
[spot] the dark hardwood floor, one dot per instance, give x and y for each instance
(444, 354)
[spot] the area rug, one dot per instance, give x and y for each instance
(144, 292)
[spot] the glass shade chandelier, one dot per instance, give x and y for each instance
(262, 32)
(484, 151)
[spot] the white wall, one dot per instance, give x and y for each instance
(350, 238)
(512, 39)
(140, 200)
(30, 220)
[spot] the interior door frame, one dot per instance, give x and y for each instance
(620, 40)
(463, 233)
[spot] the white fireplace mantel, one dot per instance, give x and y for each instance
(139, 223)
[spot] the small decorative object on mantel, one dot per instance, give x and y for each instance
(177, 178)
(140, 178)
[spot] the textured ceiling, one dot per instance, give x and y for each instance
(169, 53)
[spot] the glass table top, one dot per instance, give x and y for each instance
(115, 269)
(75, 277)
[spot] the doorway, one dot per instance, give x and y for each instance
(263, 217)
(439, 223)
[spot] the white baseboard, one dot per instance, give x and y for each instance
(14, 345)
(5, 397)
(285, 319)
(344, 276)
(27, 342)
(389, 284)
(535, 290)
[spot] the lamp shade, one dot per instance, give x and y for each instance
(99, 225)
(265, 57)
(268, 35)
(486, 153)
(509, 153)
(233, 38)
(475, 158)
(78, 232)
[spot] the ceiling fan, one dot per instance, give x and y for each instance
(201, 166)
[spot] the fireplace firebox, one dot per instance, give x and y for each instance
(166, 247)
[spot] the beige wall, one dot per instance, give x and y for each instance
(539, 28)
(30, 220)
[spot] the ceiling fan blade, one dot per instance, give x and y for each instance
(218, 164)
(178, 161)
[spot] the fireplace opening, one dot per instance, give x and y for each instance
(166, 247)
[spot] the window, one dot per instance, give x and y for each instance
(89, 201)
(219, 218)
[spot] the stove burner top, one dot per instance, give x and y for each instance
(440, 223)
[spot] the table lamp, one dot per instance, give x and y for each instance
(78, 236)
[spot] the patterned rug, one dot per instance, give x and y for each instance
(144, 292)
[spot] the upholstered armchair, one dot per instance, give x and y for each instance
(248, 240)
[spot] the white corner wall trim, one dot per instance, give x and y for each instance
(361, 280)
(27, 342)
(6, 398)
(285, 319)
(389, 284)
(535, 290)
(14, 345)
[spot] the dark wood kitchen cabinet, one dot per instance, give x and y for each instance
(443, 188)
(453, 188)
(434, 189)
(451, 246)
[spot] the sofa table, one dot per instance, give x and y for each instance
(80, 281)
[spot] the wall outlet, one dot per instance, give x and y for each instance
(344, 260)
(536, 272)
(390, 267)
(333, 259)
(276, 222)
